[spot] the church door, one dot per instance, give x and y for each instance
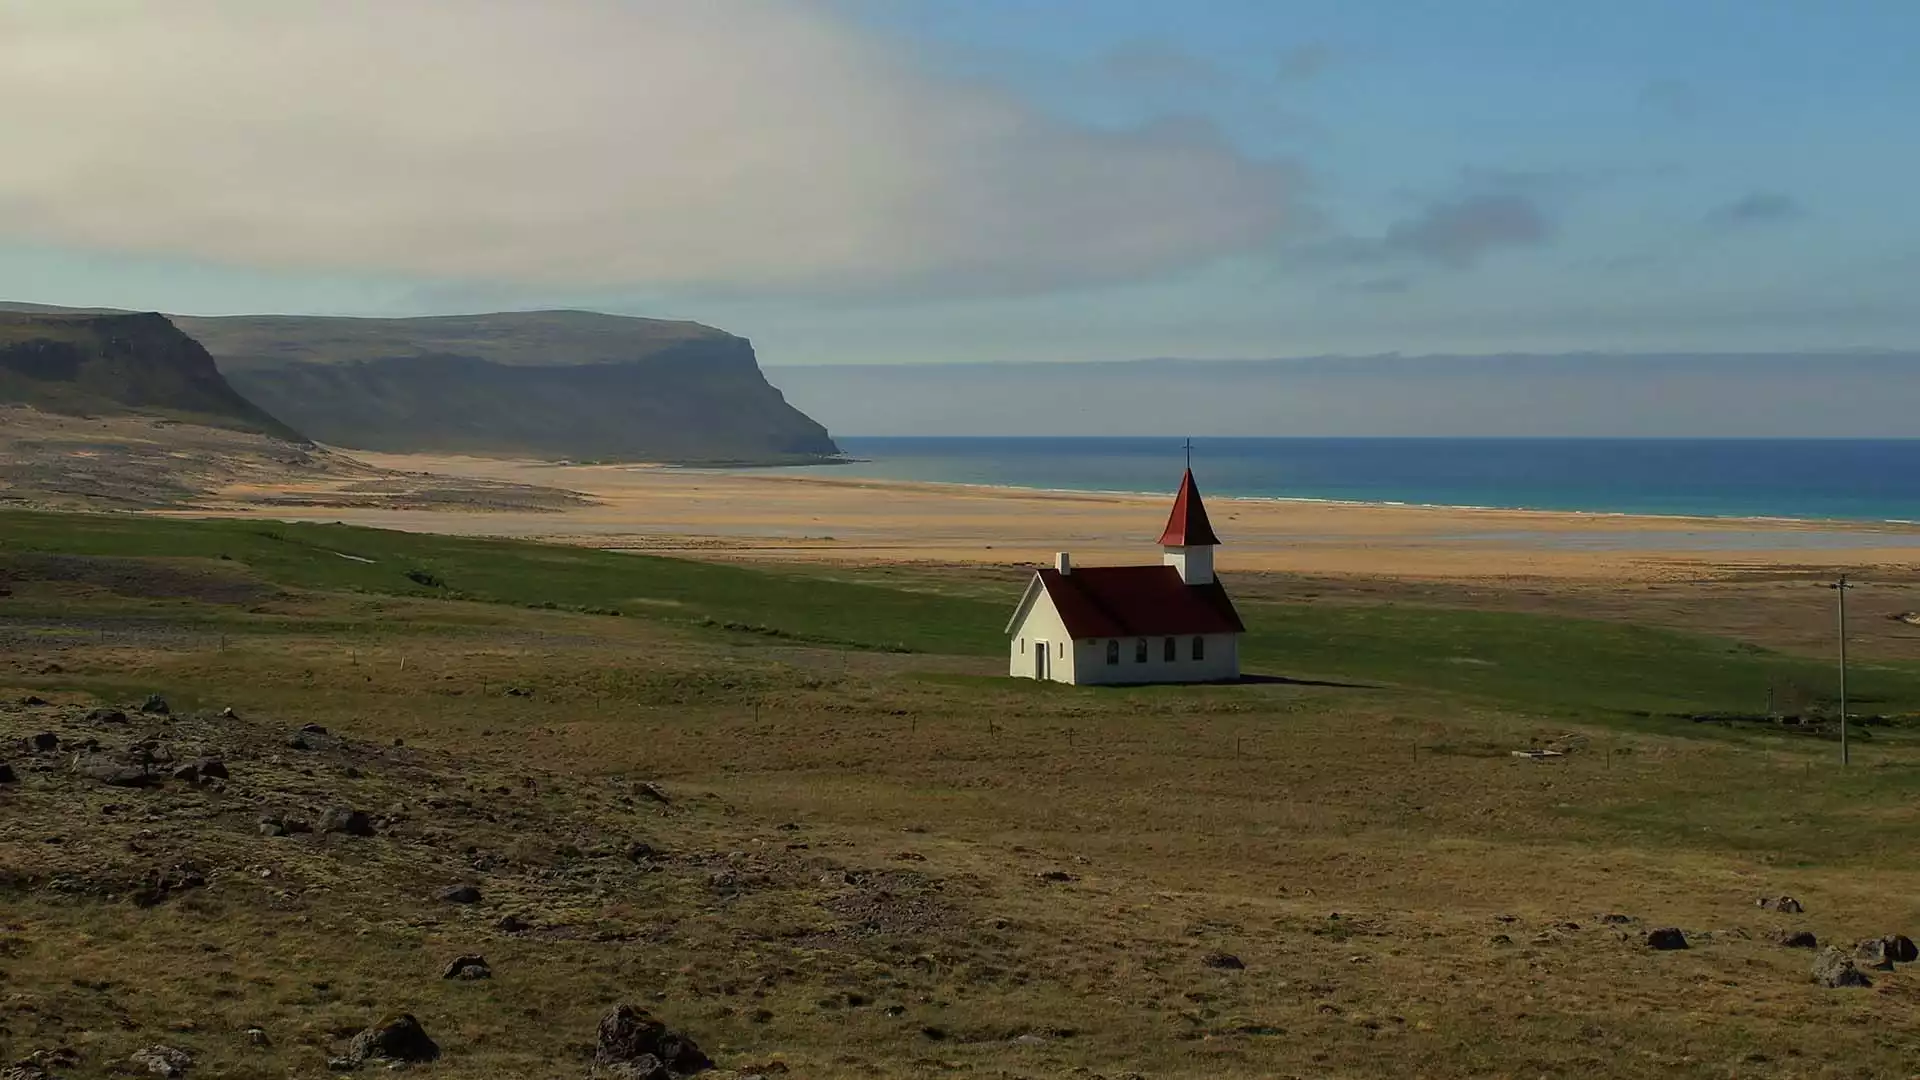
(1039, 659)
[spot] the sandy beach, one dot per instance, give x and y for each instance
(770, 514)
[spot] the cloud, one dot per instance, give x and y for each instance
(756, 145)
(1756, 208)
(1458, 232)
(1671, 98)
(1153, 63)
(1302, 63)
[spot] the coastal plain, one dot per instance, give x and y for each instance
(737, 747)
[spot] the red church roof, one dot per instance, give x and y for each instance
(1188, 525)
(1139, 601)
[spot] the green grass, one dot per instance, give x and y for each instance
(1552, 664)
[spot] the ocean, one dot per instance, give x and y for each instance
(1813, 479)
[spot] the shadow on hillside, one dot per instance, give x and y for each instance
(1285, 680)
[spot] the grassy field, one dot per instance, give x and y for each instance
(877, 862)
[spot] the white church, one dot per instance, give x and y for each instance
(1170, 623)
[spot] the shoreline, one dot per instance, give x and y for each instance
(1847, 523)
(834, 518)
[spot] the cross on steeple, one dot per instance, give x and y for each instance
(1188, 447)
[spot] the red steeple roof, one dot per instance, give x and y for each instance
(1188, 525)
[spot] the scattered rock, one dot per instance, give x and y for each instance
(350, 822)
(1883, 952)
(212, 768)
(513, 924)
(1224, 961)
(188, 772)
(653, 792)
(298, 743)
(1833, 968)
(1500, 939)
(1666, 937)
(398, 1037)
(472, 966)
(1786, 905)
(1057, 876)
(461, 894)
(519, 691)
(1798, 939)
(312, 729)
(641, 851)
(106, 716)
(116, 775)
(909, 856)
(7, 775)
(258, 1037)
(155, 705)
(342, 1064)
(228, 714)
(630, 1036)
(1616, 919)
(33, 701)
(46, 742)
(162, 1061)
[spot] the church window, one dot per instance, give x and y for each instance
(1199, 647)
(1113, 651)
(1140, 651)
(1171, 652)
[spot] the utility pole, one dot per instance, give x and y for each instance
(1840, 592)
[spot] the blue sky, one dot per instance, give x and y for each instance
(884, 181)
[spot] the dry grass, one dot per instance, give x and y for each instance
(854, 879)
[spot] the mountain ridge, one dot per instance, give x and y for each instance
(132, 363)
(550, 383)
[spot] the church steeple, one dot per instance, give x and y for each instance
(1188, 541)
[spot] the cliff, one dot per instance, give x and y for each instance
(110, 364)
(558, 384)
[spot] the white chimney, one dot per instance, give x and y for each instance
(1063, 563)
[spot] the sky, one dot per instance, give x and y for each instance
(912, 181)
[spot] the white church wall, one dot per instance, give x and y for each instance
(1220, 660)
(1042, 624)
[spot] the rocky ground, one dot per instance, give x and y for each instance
(140, 463)
(111, 816)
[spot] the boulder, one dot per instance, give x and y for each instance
(212, 768)
(629, 1036)
(1224, 961)
(1666, 937)
(114, 774)
(189, 773)
(155, 705)
(258, 1037)
(312, 729)
(470, 966)
(33, 701)
(461, 894)
(1798, 939)
(161, 1061)
(7, 775)
(106, 716)
(46, 742)
(1786, 905)
(1884, 952)
(513, 924)
(397, 1037)
(1833, 968)
(350, 822)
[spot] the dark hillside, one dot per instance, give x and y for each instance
(119, 364)
(563, 384)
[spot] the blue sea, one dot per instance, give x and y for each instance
(1815, 479)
